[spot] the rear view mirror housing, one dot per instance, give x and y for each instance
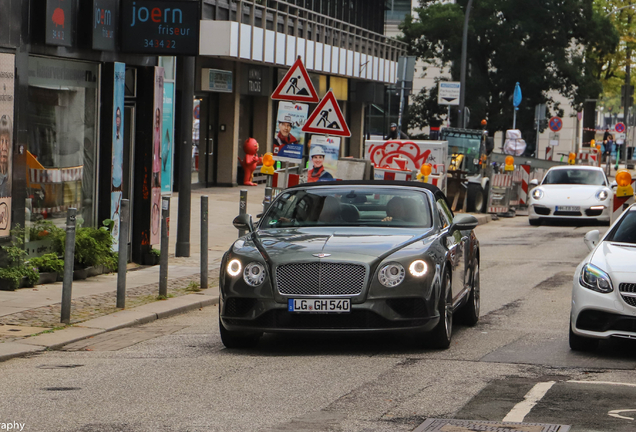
(592, 238)
(534, 182)
(464, 222)
(243, 222)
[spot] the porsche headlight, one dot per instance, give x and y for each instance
(234, 267)
(418, 268)
(602, 195)
(254, 274)
(595, 279)
(391, 275)
(537, 193)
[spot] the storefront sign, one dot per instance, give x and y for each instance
(45, 72)
(255, 81)
(118, 149)
(216, 80)
(167, 137)
(7, 69)
(155, 186)
(60, 20)
(160, 27)
(105, 20)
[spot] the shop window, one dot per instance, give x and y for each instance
(62, 139)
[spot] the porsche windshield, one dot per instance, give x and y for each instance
(372, 206)
(574, 177)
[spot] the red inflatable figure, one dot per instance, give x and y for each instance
(250, 146)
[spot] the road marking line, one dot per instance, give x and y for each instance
(602, 383)
(523, 408)
(615, 413)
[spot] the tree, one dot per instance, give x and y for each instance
(544, 45)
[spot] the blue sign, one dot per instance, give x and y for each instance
(555, 124)
(620, 127)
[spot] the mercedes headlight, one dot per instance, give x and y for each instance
(537, 193)
(234, 267)
(595, 279)
(254, 274)
(418, 268)
(391, 275)
(602, 195)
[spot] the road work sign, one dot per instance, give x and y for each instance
(296, 86)
(327, 118)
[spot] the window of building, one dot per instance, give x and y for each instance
(62, 139)
(397, 10)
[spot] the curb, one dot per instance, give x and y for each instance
(125, 318)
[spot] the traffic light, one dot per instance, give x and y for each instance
(543, 124)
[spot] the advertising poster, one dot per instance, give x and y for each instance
(7, 67)
(323, 158)
(118, 150)
(155, 186)
(167, 138)
(289, 139)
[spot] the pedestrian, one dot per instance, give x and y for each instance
(393, 133)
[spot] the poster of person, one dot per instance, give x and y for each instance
(167, 138)
(155, 186)
(324, 152)
(7, 67)
(118, 150)
(289, 139)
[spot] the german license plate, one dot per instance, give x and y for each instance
(319, 305)
(567, 208)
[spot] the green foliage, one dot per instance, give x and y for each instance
(14, 256)
(545, 45)
(11, 278)
(48, 263)
(155, 252)
(193, 287)
(93, 246)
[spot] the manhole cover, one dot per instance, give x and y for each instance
(14, 330)
(451, 425)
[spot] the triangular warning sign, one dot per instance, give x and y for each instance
(327, 119)
(296, 86)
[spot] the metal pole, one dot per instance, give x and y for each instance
(514, 118)
(628, 94)
(462, 79)
(69, 258)
(124, 221)
(243, 207)
(401, 112)
(204, 241)
(163, 258)
(185, 156)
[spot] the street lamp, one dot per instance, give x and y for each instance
(462, 79)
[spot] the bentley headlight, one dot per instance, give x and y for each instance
(391, 275)
(418, 268)
(595, 279)
(254, 274)
(537, 193)
(234, 267)
(602, 195)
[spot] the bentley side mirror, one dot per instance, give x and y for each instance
(534, 182)
(613, 184)
(464, 222)
(592, 238)
(243, 222)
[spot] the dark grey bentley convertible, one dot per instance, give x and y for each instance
(351, 256)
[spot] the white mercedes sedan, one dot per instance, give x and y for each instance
(604, 290)
(571, 192)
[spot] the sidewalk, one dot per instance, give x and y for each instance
(30, 317)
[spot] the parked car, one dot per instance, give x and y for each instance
(571, 192)
(359, 256)
(604, 290)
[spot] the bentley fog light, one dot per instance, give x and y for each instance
(391, 275)
(595, 279)
(234, 267)
(537, 194)
(602, 195)
(254, 274)
(418, 268)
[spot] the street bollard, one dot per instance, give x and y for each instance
(69, 258)
(204, 241)
(122, 264)
(163, 258)
(242, 207)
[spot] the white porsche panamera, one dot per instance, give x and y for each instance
(571, 192)
(604, 287)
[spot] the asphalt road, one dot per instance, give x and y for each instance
(175, 375)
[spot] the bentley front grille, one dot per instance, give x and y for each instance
(628, 292)
(320, 279)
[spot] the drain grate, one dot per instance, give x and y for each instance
(61, 388)
(452, 425)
